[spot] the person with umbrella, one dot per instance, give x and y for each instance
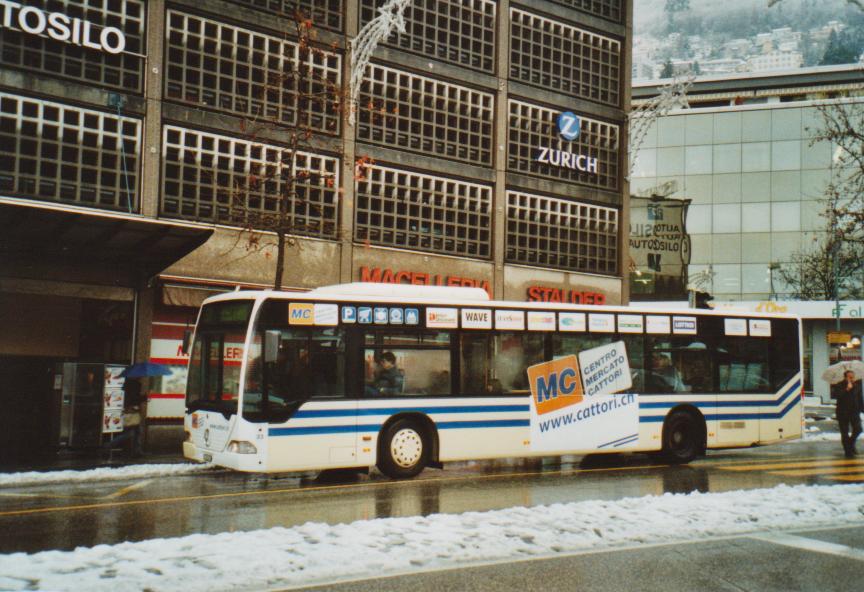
(134, 404)
(850, 404)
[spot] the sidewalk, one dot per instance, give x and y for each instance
(80, 460)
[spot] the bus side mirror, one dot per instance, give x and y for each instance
(187, 338)
(271, 345)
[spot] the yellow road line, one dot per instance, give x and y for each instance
(792, 465)
(351, 486)
(335, 488)
(858, 477)
(723, 464)
(827, 471)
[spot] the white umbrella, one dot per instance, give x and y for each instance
(835, 372)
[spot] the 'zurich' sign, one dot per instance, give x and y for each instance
(569, 126)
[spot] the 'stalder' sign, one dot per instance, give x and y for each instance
(58, 26)
(573, 405)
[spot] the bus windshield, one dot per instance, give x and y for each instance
(213, 382)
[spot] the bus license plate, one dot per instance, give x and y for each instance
(208, 457)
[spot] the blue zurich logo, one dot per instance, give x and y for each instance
(569, 125)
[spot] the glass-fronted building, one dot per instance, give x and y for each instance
(744, 156)
(492, 136)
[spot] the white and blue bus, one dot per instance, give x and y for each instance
(403, 377)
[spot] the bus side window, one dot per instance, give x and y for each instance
(512, 354)
(407, 364)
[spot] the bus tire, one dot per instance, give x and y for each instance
(404, 449)
(682, 438)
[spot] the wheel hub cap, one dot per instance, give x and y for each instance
(406, 448)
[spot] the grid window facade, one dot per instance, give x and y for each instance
(461, 32)
(211, 178)
(562, 234)
(552, 55)
(247, 73)
(324, 14)
(55, 152)
(41, 53)
(409, 210)
(612, 10)
(533, 128)
(421, 114)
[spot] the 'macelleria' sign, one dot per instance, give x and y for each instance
(58, 26)
(569, 128)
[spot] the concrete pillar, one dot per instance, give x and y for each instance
(151, 145)
(502, 118)
(624, 221)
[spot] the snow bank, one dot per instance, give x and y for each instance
(104, 474)
(317, 553)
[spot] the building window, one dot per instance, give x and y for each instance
(608, 9)
(247, 73)
(457, 31)
(409, 210)
(562, 234)
(55, 152)
(215, 178)
(43, 54)
(533, 135)
(324, 14)
(550, 54)
(425, 115)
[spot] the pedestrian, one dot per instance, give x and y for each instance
(850, 403)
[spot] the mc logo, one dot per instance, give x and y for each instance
(300, 313)
(555, 385)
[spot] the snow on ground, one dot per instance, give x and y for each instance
(318, 553)
(814, 434)
(142, 471)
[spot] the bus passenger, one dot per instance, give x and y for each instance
(389, 380)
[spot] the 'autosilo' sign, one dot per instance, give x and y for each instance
(58, 26)
(569, 127)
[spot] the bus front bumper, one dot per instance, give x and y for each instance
(251, 463)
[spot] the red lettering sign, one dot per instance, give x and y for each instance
(416, 278)
(544, 294)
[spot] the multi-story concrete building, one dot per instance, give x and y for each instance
(123, 123)
(744, 155)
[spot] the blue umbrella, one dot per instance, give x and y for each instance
(142, 369)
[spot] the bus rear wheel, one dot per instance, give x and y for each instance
(681, 438)
(403, 450)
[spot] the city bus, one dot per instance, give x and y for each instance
(404, 377)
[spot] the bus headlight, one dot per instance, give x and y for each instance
(241, 447)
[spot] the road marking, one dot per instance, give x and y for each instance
(346, 487)
(793, 465)
(857, 477)
(816, 546)
(295, 491)
(826, 471)
(42, 495)
(124, 490)
(723, 464)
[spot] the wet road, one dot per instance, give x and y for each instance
(69, 515)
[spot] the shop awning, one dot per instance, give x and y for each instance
(60, 242)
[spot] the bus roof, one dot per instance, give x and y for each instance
(451, 296)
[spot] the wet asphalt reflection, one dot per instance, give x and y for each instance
(70, 515)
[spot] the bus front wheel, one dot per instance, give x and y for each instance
(681, 438)
(404, 450)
